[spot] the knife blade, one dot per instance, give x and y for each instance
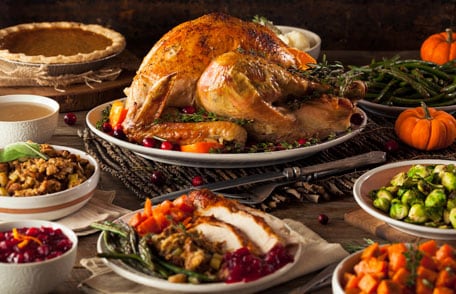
(307, 173)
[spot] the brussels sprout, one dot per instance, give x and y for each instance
(452, 217)
(392, 189)
(401, 192)
(451, 202)
(439, 169)
(449, 181)
(398, 179)
(409, 197)
(382, 203)
(384, 193)
(418, 171)
(417, 213)
(436, 198)
(398, 210)
(434, 214)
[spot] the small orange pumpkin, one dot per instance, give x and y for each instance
(439, 48)
(426, 128)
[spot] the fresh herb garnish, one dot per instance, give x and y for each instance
(104, 117)
(21, 150)
(413, 257)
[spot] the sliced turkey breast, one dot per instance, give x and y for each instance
(217, 231)
(255, 228)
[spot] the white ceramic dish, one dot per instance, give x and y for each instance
(38, 130)
(37, 277)
(52, 206)
(381, 176)
(134, 275)
(209, 160)
(314, 39)
(346, 265)
(393, 111)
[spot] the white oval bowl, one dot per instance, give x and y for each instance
(38, 130)
(55, 205)
(37, 277)
(314, 39)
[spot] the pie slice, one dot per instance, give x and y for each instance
(59, 43)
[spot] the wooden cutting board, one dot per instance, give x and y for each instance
(361, 219)
(79, 97)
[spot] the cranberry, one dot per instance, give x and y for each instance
(302, 141)
(167, 145)
(391, 146)
(70, 118)
(157, 178)
(149, 142)
(357, 119)
(119, 133)
(197, 181)
(107, 128)
(323, 219)
(189, 109)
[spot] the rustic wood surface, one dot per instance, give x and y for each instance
(337, 230)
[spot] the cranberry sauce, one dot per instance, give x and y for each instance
(242, 265)
(22, 245)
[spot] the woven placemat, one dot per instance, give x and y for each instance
(135, 171)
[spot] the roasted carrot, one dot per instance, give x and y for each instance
(417, 268)
(201, 147)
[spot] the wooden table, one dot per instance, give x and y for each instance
(337, 230)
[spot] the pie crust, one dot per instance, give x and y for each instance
(59, 43)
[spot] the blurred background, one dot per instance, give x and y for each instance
(343, 25)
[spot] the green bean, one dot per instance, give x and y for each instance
(111, 227)
(404, 101)
(385, 90)
(412, 82)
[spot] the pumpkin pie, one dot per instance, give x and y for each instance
(59, 43)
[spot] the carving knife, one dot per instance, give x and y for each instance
(289, 173)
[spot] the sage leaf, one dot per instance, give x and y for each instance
(21, 150)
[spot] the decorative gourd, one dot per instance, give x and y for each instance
(426, 128)
(439, 48)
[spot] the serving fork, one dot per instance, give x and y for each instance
(258, 194)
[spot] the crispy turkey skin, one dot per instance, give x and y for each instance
(235, 69)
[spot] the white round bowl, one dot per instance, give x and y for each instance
(381, 176)
(55, 205)
(37, 277)
(346, 265)
(314, 39)
(38, 130)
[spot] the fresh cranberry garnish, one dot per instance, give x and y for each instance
(197, 181)
(107, 128)
(119, 133)
(157, 178)
(391, 146)
(149, 142)
(357, 119)
(189, 109)
(70, 118)
(167, 145)
(323, 219)
(302, 141)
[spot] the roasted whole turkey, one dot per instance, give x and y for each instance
(238, 70)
